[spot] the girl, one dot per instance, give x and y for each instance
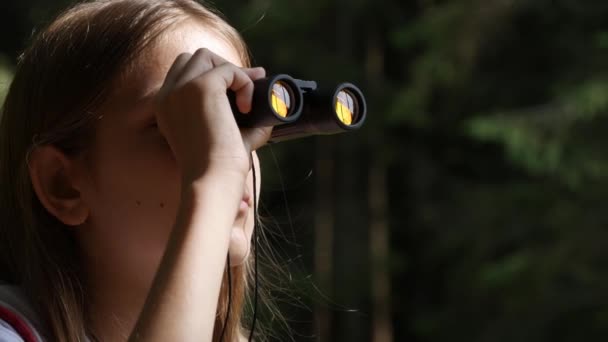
(125, 180)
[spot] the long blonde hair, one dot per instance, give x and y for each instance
(60, 80)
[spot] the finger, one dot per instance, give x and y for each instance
(173, 73)
(255, 73)
(238, 81)
(202, 61)
(254, 138)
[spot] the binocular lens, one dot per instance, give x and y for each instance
(346, 107)
(281, 99)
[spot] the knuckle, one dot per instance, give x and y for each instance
(182, 57)
(203, 53)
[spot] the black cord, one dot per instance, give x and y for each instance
(255, 250)
(229, 298)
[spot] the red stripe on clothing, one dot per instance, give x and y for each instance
(20, 326)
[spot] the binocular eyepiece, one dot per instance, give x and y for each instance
(298, 108)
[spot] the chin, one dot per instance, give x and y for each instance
(239, 247)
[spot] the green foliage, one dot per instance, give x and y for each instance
(554, 139)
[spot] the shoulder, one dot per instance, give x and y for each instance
(18, 320)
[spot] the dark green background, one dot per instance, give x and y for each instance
(475, 195)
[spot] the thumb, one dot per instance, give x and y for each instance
(255, 138)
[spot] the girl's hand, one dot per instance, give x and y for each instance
(195, 116)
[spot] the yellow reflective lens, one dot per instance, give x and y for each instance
(281, 99)
(346, 107)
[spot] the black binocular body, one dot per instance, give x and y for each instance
(298, 108)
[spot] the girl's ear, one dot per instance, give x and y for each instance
(55, 180)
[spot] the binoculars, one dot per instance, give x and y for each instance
(298, 108)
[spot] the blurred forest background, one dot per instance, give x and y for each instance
(472, 205)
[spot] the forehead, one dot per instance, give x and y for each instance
(147, 73)
(188, 36)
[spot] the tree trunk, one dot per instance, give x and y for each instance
(324, 237)
(382, 326)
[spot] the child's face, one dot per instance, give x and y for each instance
(134, 186)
